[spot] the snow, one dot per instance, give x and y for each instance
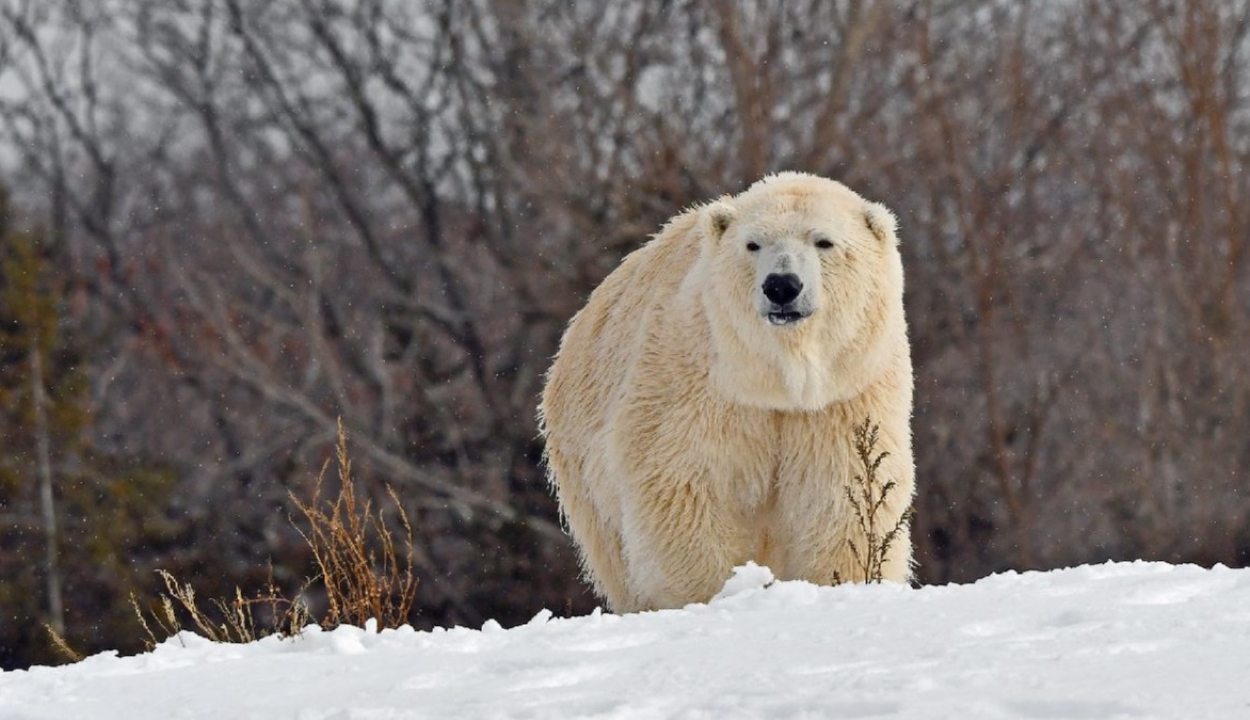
(1120, 640)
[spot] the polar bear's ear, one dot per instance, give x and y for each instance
(717, 218)
(882, 223)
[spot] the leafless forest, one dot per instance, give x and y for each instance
(227, 223)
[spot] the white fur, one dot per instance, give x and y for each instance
(686, 434)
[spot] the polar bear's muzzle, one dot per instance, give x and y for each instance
(783, 291)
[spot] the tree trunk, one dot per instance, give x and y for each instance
(56, 611)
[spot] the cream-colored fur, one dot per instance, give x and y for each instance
(687, 434)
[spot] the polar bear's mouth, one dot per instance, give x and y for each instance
(785, 318)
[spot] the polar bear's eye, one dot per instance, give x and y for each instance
(752, 246)
(824, 243)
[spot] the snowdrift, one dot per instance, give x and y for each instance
(1123, 640)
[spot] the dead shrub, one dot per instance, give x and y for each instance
(359, 564)
(867, 498)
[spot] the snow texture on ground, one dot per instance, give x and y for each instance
(1124, 640)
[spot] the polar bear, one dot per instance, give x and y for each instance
(700, 410)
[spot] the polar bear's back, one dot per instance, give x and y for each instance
(586, 390)
(601, 345)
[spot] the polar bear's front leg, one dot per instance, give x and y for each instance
(679, 548)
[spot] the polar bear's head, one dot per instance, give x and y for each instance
(804, 278)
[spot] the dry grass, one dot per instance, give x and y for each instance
(868, 498)
(62, 647)
(230, 620)
(359, 565)
(356, 554)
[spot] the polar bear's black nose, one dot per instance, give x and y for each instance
(782, 288)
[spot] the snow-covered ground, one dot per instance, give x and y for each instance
(1126, 640)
